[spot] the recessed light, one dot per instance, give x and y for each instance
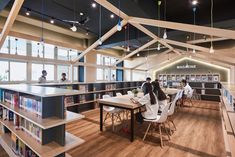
(93, 5)
(194, 2)
(111, 16)
(81, 13)
(28, 12)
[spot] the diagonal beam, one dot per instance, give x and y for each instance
(152, 58)
(136, 51)
(199, 41)
(116, 11)
(10, 20)
(230, 34)
(190, 46)
(103, 38)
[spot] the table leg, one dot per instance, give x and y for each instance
(132, 125)
(112, 121)
(101, 117)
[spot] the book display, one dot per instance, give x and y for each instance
(33, 121)
(90, 92)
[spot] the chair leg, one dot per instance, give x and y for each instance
(160, 131)
(112, 121)
(119, 117)
(171, 131)
(173, 123)
(147, 131)
(169, 138)
(106, 116)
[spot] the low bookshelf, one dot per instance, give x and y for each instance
(33, 121)
(207, 86)
(89, 92)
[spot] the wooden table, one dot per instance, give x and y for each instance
(122, 102)
(170, 92)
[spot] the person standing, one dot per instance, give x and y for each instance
(43, 78)
(144, 85)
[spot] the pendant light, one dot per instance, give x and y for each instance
(119, 25)
(100, 40)
(38, 44)
(16, 40)
(165, 32)
(194, 23)
(128, 33)
(212, 6)
(74, 28)
(138, 54)
(159, 7)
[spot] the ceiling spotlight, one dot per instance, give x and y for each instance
(212, 49)
(81, 14)
(93, 5)
(119, 25)
(74, 28)
(159, 47)
(28, 12)
(100, 41)
(165, 34)
(194, 2)
(138, 54)
(194, 51)
(87, 32)
(111, 16)
(52, 21)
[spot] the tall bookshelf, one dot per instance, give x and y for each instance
(207, 86)
(91, 91)
(33, 121)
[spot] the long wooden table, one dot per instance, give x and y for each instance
(122, 102)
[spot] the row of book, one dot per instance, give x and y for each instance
(197, 78)
(110, 86)
(83, 88)
(31, 105)
(82, 98)
(20, 148)
(23, 124)
(11, 98)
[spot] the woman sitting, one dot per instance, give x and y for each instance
(150, 101)
(161, 96)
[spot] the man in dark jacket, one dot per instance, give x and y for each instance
(143, 87)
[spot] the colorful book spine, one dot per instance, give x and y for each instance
(31, 105)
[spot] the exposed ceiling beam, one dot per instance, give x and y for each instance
(151, 58)
(190, 46)
(49, 26)
(10, 20)
(230, 34)
(124, 16)
(136, 51)
(206, 40)
(96, 43)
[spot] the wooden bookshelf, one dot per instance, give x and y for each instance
(36, 118)
(93, 91)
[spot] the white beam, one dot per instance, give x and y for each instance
(103, 38)
(199, 41)
(136, 51)
(230, 34)
(10, 20)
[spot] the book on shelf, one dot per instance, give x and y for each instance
(16, 121)
(97, 96)
(198, 78)
(68, 100)
(203, 91)
(83, 88)
(216, 78)
(11, 98)
(210, 78)
(192, 78)
(21, 149)
(178, 78)
(169, 78)
(14, 144)
(204, 78)
(110, 86)
(173, 78)
(82, 98)
(31, 105)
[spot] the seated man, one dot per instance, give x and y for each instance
(187, 90)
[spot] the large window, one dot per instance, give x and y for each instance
(105, 73)
(62, 54)
(18, 71)
(73, 54)
(49, 51)
(17, 46)
(4, 70)
(36, 71)
(75, 73)
(5, 46)
(37, 49)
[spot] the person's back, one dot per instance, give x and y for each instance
(43, 79)
(144, 85)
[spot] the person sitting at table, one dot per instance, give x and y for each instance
(151, 103)
(143, 86)
(63, 78)
(161, 96)
(187, 90)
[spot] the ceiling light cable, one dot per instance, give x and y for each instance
(212, 25)
(165, 32)
(194, 23)
(100, 40)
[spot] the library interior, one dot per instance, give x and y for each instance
(117, 78)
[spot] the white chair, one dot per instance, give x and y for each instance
(161, 120)
(111, 111)
(118, 94)
(140, 94)
(129, 92)
(170, 114)
(189, 97)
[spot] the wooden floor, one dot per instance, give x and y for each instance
(199, 133)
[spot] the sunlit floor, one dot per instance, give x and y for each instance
(199, 133)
